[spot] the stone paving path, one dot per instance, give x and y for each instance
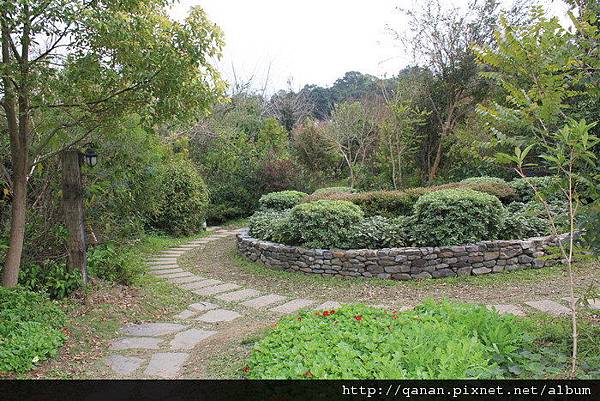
(162, 348)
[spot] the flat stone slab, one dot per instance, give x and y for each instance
(166, 364)
(264, 301)
(594, 303)
(163, 261)
(507, 309)
(152, 329)
(550, 307)
(239, 295)
(166, 271)
(328, 305)
(184, 280)
(219, 315)
(186, 314)
(135, 343)
(162, 267)
(190, 338)
(203, 306)
(216, 289)
(175, 275)
(200, 284)
(293, 305)
(123, 365)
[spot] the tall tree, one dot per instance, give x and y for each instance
(441, 39)
(70, 66)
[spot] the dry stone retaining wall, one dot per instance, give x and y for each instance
(403, 263)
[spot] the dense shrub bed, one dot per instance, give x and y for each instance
(481, 208)
(401, 203)
(434, 341)
(30, 329)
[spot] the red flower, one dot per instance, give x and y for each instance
(326, 313)
(394, 317)
(332, 311)
(299, 318)
(359, 318)
(246, 369)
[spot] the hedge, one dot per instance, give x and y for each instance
(401, 203)
(281, 200)
(324, 223)
(457, 216)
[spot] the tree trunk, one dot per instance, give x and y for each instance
(10, 275)
(433, 170)
(73, 207)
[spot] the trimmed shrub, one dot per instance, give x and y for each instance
(30, 329)
(281, 200)
(324, 223)
(334, 190)
(547, 186)
(457, 216)
(379, 232)
(521, 225)
(484, 180)
(401, 203)
(184, 202)
(272, 226)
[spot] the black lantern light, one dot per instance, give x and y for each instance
(90, 156)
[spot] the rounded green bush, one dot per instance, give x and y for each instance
(484, 180)
(184, 201)
(324, 224)
(270, 225)
(434, 341)
(334, 190)
(379, 232)
(457, 216)
(546, 186)
(281, 200)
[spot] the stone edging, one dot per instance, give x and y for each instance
(403, 263)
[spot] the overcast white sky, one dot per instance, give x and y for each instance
(309, 41)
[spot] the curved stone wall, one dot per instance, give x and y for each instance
(403, 263)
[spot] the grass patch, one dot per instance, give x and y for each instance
(437, 340)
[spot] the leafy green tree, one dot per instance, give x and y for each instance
(70, 66)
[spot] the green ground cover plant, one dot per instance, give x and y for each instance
(30, 329)
(436, 340)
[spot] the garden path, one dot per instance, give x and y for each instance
(164, 349)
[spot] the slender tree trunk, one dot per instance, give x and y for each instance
(433, 170)
(73, 208)
(18, 146)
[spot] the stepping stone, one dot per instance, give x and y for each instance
(156, 262)
(186, 314)
(293, 305)
(329, 305)
(216, 289)
(550, 307)
(184, 280)
(219, 315)
(166, 364)
(175, 275)
(189, 338)
(152, 329)
(505, 309)
(162, 267)
(200, 284)
(239, 295)
(594, 304)
(166, 271)
(264, 301)
(123, 365)
(171, 253)
(135, 343)
(203, 306)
